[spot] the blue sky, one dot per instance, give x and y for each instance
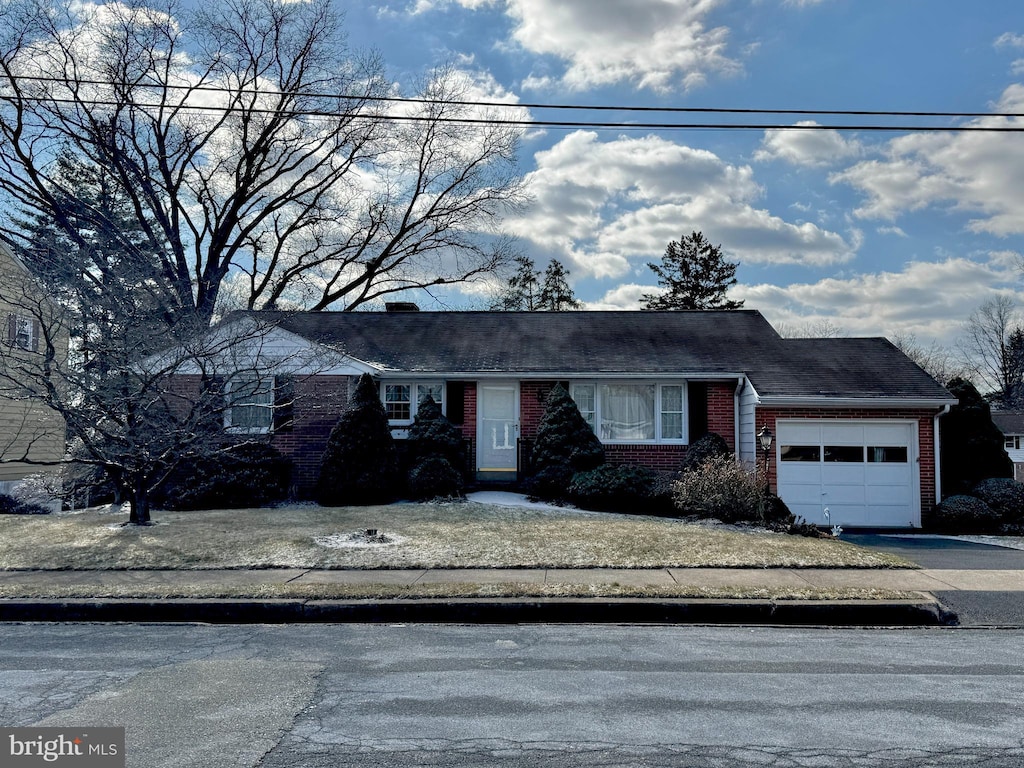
(876, 232)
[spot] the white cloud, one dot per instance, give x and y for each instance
(810, 147)
(915, 300)
(891, 231)
(663, 45)
(625, 296)
(598, 205)
(972, 172)
(1009, 40)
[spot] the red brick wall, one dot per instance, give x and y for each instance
(925, 436)
(722, 410)
(469, 424)
(319, 401)
(660, 457)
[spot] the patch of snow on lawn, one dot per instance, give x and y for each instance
(357, 540)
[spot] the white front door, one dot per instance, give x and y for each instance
(497, 434)
(865, 473)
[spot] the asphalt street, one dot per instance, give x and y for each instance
(313, 696)
(973, 608)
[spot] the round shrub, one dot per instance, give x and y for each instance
(776, 514)
(610, 488)
(550, 482)
(1004, 496)
(711, 446)
(434, 477)
(248, 475)
(723, 489)
(964, 514)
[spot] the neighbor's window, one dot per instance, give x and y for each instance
(22, 332)
(632, 412)
(251, 405)
(1012, 442)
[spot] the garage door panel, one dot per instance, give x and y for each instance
(842, 434)
(874, 487)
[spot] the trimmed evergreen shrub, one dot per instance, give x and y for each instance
(972, 446)
(433, 435)
(434, 477)
(247, 475)
(963, 514)
(611, 488)
(777, 515)
(12, 506)
(722, 489)
(1004, 495)
(712, 445)
(565, 444)
(360, 463)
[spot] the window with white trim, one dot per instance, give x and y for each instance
(23, 332)
(1012, 442)
(633, 412)
(250, 405)
(401, 401)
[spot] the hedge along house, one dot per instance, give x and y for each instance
(854, 419)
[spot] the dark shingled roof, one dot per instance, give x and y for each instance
(1009, 422)
(630, 343)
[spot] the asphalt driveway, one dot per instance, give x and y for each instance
(974, 608)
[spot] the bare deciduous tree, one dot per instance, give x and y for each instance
(993, 346)
(256, 153)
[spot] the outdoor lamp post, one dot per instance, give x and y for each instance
(765, 437)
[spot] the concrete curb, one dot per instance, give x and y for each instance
(487, 611)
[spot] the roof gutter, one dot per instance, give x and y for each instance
(862, 402)
(559, 375)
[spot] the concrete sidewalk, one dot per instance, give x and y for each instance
(923, 609)
(910, 580)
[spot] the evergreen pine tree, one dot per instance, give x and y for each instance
(521, 293)
(555, 293)
(436, 453)
(695, 275)
(360, 463)
(565, 444)
(972, 446)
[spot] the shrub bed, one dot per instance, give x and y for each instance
(964, 514)
(250, 475)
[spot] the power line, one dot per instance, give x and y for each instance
(531, 123)
(525, 105)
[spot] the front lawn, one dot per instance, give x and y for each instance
(455, 535)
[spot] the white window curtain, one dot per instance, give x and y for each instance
(627, 411)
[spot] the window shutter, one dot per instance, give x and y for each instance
(12, 329)
(455, 396)
(284, 403)
(36, 333)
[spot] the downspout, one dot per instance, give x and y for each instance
(736, 414)
(938, 455)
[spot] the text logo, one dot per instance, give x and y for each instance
(62, 747)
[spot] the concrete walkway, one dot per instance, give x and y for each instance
(909, 580)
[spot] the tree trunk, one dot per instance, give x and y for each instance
(138, 503)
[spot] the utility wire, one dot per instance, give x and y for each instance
(522, 105)
(530, 123)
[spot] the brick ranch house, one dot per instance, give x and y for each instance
(854, 420)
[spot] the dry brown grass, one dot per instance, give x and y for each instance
(456, 535)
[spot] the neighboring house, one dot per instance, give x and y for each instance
(854, 420)
(27, 429)
(1011, 424)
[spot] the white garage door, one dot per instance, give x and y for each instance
(864, 473)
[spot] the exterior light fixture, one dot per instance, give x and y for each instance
(765, 438)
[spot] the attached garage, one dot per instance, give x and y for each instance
(865, 473)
